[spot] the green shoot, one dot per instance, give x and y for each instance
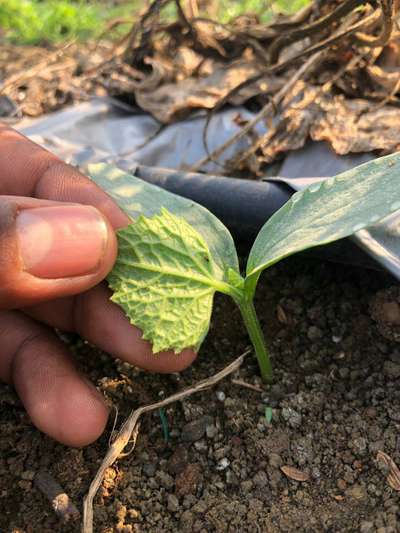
(175, 255)
(164, 424)
(268, 415)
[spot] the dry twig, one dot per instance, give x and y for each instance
(387, 17)
(393, 477)
(128, 429)
(152, 11)
(193, 8)
(326, 87)
(56, 495)
(246, 385)
(389, 97)
(265, 111)
(321, 24)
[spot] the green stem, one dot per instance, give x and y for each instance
(256, 335)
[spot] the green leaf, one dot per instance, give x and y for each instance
(164, 279)
(235, 279)
(136, 197)
(328, 211)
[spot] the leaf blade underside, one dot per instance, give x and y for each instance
(164, 279)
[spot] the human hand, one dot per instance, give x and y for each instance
(57, 244)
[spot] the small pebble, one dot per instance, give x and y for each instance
(196, 429)
(292, 417)
(357, 492)
(28, 475)
(391, 312)
(201, 445)
(391, 370)
(223, 464)
(165, 480)
(246, 486)
(367, 527)
(260, 479)
(211, 431)
(149, 469)
(275, 460)
(173, 503)
(314, 333)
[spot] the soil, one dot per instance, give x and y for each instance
(334, 404)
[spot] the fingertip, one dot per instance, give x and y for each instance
(85, 415)
(50, 250)
(75, 414)
(58, 399)
(168, 362)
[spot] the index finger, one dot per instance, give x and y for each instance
(26, 169)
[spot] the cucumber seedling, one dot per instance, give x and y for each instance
(176, 254)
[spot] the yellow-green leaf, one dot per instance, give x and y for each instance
(164, 279)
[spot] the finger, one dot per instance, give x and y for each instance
(100, 321)
(49, 250)
(29, 170)
(59, 401)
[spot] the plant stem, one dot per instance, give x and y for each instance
(256, 335)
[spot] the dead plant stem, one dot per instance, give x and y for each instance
(317, 54)
(128, 429)
(265, 111)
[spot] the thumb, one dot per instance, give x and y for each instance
(51, 249)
